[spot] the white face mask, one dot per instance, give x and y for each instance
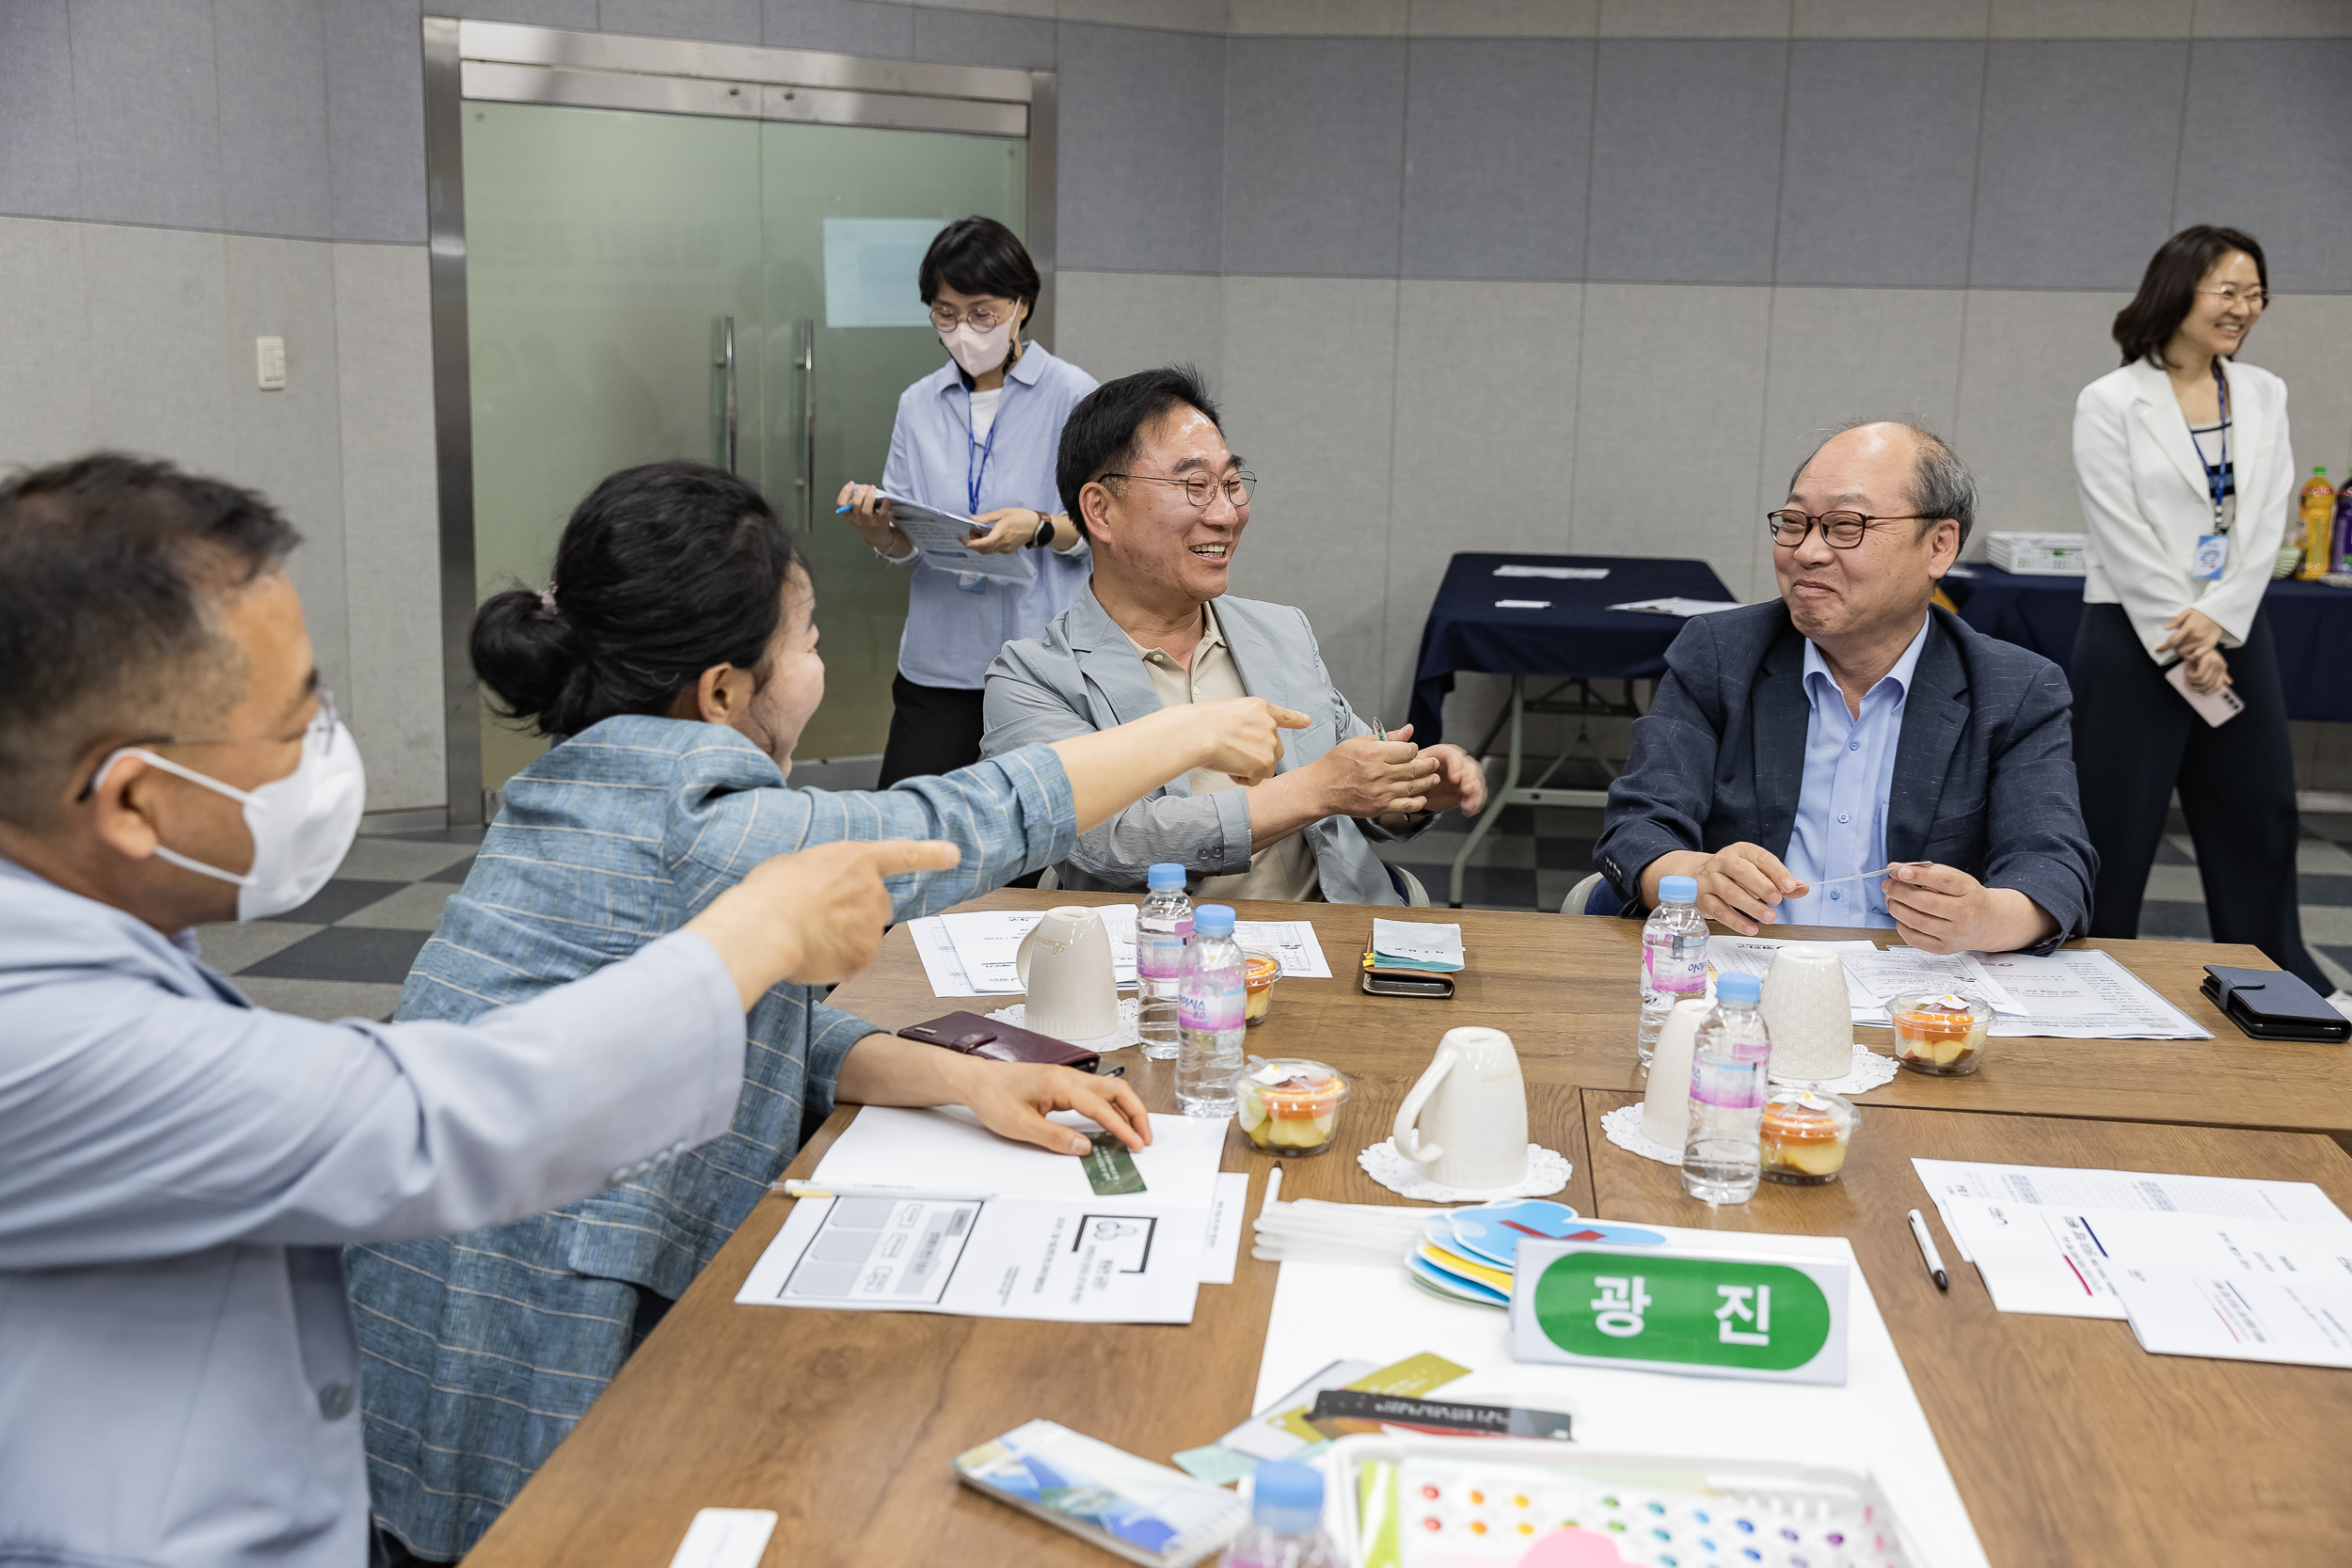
(978, 351)
(302, 824)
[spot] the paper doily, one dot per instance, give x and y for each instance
(1129, 1033)
(1547, 1173)
(1623, 1128)
(1869, 1071)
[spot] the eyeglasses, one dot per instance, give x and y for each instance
(987, 315)
(1200, 487)
(2253, 299)
(1842, 530)
(319, 732)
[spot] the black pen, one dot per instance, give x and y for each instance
(1927, 1250)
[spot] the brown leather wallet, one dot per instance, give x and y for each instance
(976, 1035)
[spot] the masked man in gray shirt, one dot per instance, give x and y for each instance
(178, 1169)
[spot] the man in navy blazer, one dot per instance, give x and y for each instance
(1850, 726)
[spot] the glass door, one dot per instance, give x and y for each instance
(614, 258)
(848, 213)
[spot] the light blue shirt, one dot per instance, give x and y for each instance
(953, 630)
(1841, 807)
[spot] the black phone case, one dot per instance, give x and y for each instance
(2272, 1005)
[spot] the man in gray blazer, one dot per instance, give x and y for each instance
(1850, 726)
(178, 1168)
(1145, 472)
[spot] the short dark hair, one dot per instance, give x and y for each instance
(1941, 485)
(111, 567)
(1104, 432)
(979, 256)
(663, 571)
(2168, 288)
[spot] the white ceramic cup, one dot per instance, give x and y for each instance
(1065, 966)
(1666, 1103)
(1806, 1013)
(1470, 1106)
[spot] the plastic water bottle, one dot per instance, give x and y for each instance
(1674, 955)
(1163, 926)
(1722, 1154)
(1285, 1528)
(1210, 1015)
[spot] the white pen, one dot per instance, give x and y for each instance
(1927, 1250)
(823, 1189)
(1865, 876)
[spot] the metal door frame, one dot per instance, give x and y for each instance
(506, 62)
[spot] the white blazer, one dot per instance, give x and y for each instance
(2145, 502)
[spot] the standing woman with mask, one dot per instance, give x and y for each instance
(979, 435)
(2183, 461)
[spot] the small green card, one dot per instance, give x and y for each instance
(1110, 1169)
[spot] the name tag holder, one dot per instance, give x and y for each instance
(1704, 1313)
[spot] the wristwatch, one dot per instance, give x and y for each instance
(1044, 537)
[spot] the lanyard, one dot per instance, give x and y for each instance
(2215, 472)
(972, 475)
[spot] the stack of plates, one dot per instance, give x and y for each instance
(1469, 1253)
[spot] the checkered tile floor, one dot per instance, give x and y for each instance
(345, 953)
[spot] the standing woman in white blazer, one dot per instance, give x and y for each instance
(2182, 460)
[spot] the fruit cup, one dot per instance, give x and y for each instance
(1806, 1136)
(1289, 1105)
(1940, 1033)
(1258, 973)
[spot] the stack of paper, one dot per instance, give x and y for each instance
(2200, 1265)
(938, 1214)
(1570, 574)
(973, 953)
(1417, 944)
(1684, 608)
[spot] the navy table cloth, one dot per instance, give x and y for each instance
(1577, 634)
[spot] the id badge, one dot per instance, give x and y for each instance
(2213, 553)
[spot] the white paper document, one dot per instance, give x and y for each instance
(1220, 1249)
(1571, 574)
(2070, 1187)
(1684, 608)
(2084, 994)
(937, 950)
(1754, 956)
(946, 1149)
(2235, 1290)
(1293, 942)
(1888, 972)
(1105, 1259)
(1522, 604)
(940, 535)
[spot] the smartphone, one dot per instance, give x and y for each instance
(2215, 707)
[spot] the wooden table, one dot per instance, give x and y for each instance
(1564, 988)
(2068, 1444)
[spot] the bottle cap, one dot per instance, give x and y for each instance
(1287, 1497)
(1741, 990)
(1213, 920)
(1679, 890)
(1166, 877)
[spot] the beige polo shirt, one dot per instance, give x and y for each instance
(1286, 870)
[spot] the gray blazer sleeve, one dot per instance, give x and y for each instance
(163, 1125)
(1207, 834)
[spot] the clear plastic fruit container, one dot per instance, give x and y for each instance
(1288, 1106)
(1260, 970)
(1806, 1136)
(1941, 1033)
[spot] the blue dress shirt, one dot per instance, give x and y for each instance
(952, 632)
(1849, 777)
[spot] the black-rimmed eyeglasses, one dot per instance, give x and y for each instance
(1842, 530)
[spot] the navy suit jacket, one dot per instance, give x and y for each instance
(1985, 767)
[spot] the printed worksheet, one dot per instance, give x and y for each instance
(1886, 974)
(2069, 1187)
(1754, 956)
(2237, 1291)
(2084, 994)
(940, 535)
(1105, 1259)
(988, 945)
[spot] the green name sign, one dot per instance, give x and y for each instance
(1722, 1314)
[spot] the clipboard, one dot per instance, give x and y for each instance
(938, 539)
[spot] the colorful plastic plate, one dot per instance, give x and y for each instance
(1449, 1285)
